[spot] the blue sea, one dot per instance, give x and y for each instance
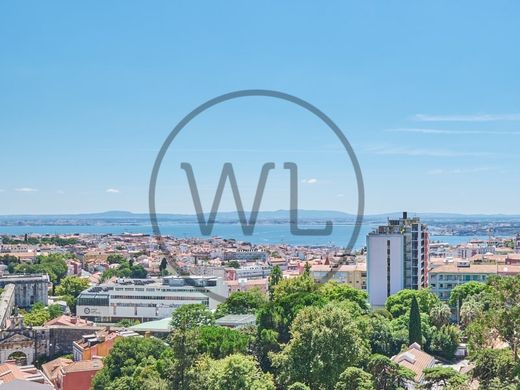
(263, 234)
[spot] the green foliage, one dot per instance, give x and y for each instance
(242, 302)
(10, 261)
(442, 377)
(235, 372)
(55, 240)
(325, 341)
(494, 363)
(54, 311)
(219, 342)
(399, 304)
(233, 264)
(334, 291)
(387, 374)
(274, 278)
(354, 378)
(440, 315)
(123, 367)
(127, 323)
(444, 341)
(163, 265)
(298, 386)
(471, 309)
(72, 285)
(54, 265)
(289, 297)
(125, 270)
(414, 324)
(116, 259)
(383, 340)
(37, 316)
(191, 316)
(461, 292)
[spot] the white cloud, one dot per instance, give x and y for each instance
(452, 132)
(60, 192)
(26, 189)
(403, 151)
(466, 118)
(340, 195)
(310, 181)
(112, 191)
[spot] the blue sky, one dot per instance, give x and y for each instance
(427, 93)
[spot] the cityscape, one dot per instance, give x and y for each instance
(292, 195)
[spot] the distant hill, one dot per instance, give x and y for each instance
(276, 216)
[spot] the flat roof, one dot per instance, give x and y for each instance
(162, 325)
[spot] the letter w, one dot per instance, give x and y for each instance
(227, 172)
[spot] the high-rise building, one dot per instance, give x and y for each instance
(397, 258)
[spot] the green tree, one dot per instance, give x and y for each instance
(440, 315)
(191, 316)
(334, 291)
(185, 320)
(219, 342)
(123, 360)
(137, 271)
(234, 264)
(387, 374)
(414, 324)
(72, 285)
(116, 259)
(307, 270)
(444, 341)
(354, 378)
(494, 364)
(274, 278)
(399, 304)
(163, 265)
(54, 311)
(442, 377)
(54, 265)
(325, 341)
(298, 386)
(506, 312)
(242, 302)
(470, 310)
(461, 292)
(234, 372)
(381, 336)
(289, 297)
(37, 316)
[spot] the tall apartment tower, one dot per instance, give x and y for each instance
(397, 258)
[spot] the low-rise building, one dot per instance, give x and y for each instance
(10, 373)
(354, 275)
(148, 299)
(445, 277)
(98, 344)
(247, 285)
(415, 359)
(78, 375)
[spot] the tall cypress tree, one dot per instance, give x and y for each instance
(414, 326)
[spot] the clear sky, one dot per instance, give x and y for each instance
(428, 94)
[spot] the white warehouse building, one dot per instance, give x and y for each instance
(148, 299)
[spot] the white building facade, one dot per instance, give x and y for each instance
(148, 299)
(397, 258)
